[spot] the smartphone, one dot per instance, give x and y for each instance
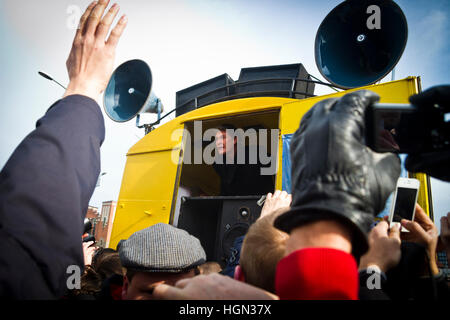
(404, 201)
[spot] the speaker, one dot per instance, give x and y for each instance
(238, 213)
(129, 92)
(203, 93)
(360, 41)
(275, 81)
(218, 221)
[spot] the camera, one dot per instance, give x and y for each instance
(87, 226)
(86, 229)
(405, 128)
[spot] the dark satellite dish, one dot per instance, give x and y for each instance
(360, 41)
(129, 92)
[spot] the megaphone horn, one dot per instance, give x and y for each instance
(360, 41)
(129, 92)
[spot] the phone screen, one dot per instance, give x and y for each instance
(404, 204)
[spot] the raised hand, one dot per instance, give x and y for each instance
(91, 60)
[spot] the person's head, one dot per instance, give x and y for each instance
(225, 142)
(262, 249)
(106, 262)
(139, 285)
(160, 253)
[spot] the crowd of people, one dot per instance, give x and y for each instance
(318, 243)
(397, 266)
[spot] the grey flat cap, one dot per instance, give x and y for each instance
(161, 248)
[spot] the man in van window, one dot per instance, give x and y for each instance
(238, 175)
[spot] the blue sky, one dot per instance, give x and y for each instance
(186, 42)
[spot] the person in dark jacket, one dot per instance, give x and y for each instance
(238, 177)
(47, 182)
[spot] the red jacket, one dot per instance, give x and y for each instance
(317, 274)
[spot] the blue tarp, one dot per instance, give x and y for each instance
(286, 169)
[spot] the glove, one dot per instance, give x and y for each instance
(334, 175)
(436, 163)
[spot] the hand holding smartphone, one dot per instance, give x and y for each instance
(404, 201)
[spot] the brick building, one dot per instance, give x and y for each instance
(103, 224)
(92, 215)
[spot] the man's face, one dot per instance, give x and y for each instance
(224, 142)
(142, 284)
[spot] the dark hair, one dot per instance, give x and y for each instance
(105, 263)
(225, 126)
(100, 252)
